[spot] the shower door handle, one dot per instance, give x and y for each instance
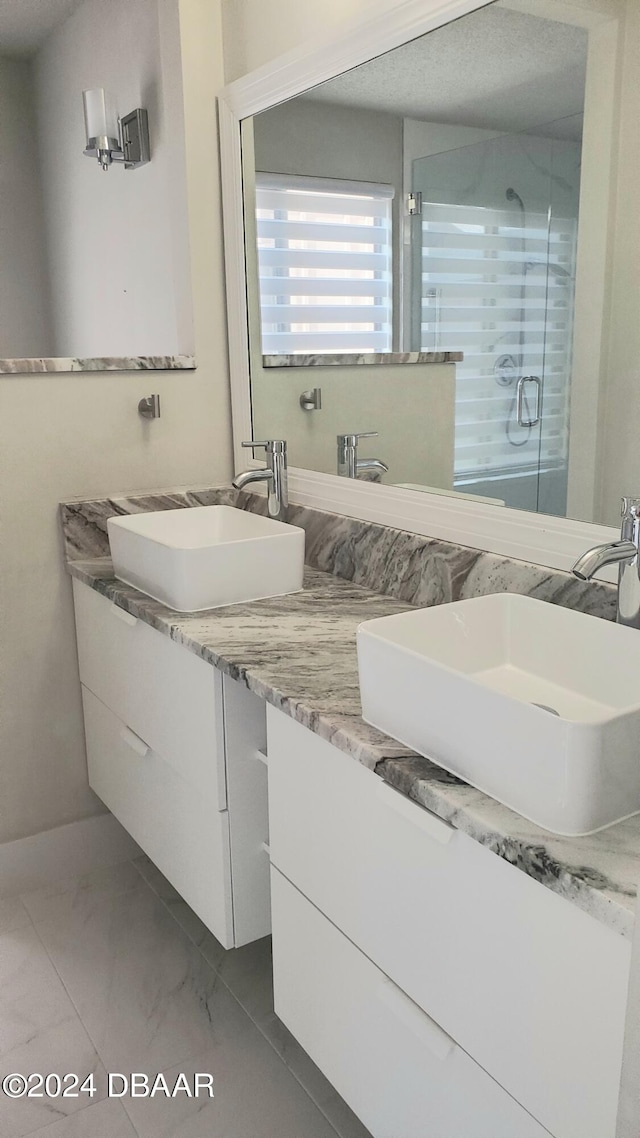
(521, 397)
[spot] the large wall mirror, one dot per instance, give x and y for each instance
(94, 265)
(433, 241)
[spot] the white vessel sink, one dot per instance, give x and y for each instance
(207, 556)
(536, 705)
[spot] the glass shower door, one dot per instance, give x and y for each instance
(492, 277)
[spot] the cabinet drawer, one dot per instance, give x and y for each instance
(396, 1068)
(531, 987)
(164, 693)
(173, 823)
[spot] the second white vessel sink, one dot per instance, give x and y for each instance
(206, 556)
(537, 705)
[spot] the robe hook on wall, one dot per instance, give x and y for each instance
(149, 407)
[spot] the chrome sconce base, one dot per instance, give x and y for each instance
(104, 149)
(131, 147)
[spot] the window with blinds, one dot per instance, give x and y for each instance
(325, 265)
(502, 292)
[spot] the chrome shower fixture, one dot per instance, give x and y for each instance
(513, 196)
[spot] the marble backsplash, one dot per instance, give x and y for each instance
(409, 567)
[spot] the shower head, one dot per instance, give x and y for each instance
(558, 271)
(549, 267)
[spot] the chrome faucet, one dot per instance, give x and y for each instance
(626, 553)
(349, 465)
(274, 474)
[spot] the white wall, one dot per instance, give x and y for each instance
(25, 328)
(80, 435)
(111, 236)
(256, 31)
(319, 139)
(411, 408)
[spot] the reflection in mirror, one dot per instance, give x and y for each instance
(440, 205)
(92, 264)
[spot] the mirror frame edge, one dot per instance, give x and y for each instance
(539, 538)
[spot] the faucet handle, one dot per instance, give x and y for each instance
(275, 446)
(352, 439)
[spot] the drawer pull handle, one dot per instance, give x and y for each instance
(427, 1030)
(124, 616)
(135, 742)
(437, 829)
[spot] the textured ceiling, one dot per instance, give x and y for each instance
(25, 24)
(495, 68)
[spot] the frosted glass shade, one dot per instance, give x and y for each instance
(100, 120)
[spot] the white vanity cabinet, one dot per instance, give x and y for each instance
(440, 989)
(173, 750)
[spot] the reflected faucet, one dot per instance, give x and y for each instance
(626, 554)
(274, 474)
(349, 465)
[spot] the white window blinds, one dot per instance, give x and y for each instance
(325, 265)
(502, 292)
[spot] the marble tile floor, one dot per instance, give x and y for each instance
(114, 972)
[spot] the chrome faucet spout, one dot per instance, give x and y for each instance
(626, 554)
(365, 464)
(242, 480)
(274, 474)
(610, 553)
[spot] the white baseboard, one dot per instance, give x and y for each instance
(67, 851)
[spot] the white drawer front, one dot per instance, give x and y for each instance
(164, 693)
(396, 1068)
(173, 823)
(532, 988)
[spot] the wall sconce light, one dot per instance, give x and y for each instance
(112, 139)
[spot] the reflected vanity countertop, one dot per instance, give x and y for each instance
(39, 364)
(298, 652)
(347, 359)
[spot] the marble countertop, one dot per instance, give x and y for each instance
(351, 359)
(298, 652)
